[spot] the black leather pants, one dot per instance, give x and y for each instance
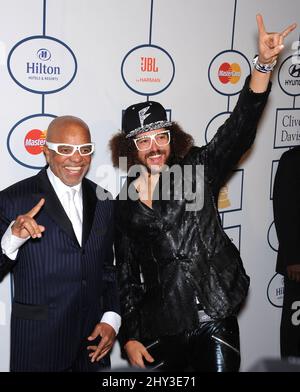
(212, 347)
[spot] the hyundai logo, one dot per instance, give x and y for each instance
(294, 70)
(44, 54)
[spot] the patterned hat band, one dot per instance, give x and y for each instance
(149, 127)
(143, 117)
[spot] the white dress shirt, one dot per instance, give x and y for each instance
(10, 244)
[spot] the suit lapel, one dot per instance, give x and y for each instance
(53, 206)
(89, 200)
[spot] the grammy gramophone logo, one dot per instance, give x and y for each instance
(223, 201)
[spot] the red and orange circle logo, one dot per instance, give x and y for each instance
(229, 73)
(34, 141)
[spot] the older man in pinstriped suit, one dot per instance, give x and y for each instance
(65, 306)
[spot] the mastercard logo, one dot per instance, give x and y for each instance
(229, 73)
(34, 141)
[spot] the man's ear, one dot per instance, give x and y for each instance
(46, 153)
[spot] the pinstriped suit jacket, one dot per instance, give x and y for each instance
(61, 289)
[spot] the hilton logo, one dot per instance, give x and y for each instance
(275, 291)
(42, 64)
(40, 68)
(44, 54)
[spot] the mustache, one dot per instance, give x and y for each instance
(153, 153)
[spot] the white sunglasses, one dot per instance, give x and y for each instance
(69, 149)
(144, 143)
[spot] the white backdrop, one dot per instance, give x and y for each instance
(93, 58)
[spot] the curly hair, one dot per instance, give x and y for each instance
(181, 142)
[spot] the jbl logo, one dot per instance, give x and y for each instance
(148, 64)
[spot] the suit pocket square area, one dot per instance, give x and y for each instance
(29, 312)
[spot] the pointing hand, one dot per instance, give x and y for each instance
(25, 225)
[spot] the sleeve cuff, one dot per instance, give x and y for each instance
(253, 93)
(113, 319)
(10, 244)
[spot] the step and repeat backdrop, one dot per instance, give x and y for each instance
(94, 58)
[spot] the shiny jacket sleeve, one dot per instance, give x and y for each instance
(286, 204)
(130, 288)
(110, 291)
(235, 136)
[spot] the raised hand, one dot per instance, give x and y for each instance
(270, 44)
(25, 225)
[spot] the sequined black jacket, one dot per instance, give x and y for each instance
(167, 256)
